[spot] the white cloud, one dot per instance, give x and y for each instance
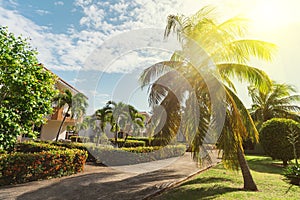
(59, 3)
(101, 21)
(42, 12)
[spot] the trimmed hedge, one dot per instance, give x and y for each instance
(40, 160)
(147, 140)
(128, 143)
(21, 167)
(39, 146)
(128, 156)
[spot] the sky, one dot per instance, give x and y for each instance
(101, 47)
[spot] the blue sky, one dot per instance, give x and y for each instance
(85, 42)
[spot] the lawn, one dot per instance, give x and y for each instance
(218, 183)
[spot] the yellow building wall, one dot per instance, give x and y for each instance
(49, 130)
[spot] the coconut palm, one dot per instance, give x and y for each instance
(123, 116)
(103, 115)
(230, 54)
(277, 101)
(75, 104)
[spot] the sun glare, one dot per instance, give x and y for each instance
(267, 15)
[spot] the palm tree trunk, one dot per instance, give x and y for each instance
(249, 183)
(60, 127)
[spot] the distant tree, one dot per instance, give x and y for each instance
(123, 115)
(75, 104)
(274, 138)
(26, 89)
(276, 101)
(103, 116)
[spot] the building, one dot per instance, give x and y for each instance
(49, 130)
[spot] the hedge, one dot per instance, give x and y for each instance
(38, 146)
(19, 167)
(147, 140)
(129, 143)
(128, 156)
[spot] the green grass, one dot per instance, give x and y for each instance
(218, 183)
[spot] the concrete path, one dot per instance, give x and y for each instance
(98, 182)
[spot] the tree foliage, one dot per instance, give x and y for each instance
(26, 89)
(76, 104)
(275, 101)
(211, 54)
(274, 138)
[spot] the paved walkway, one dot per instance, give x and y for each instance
(98, 182)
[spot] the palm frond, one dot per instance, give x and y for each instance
(247, 73)
(157, 70)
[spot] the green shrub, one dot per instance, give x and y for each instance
(293, 174)
(134, 155)
(129, 143)
(18, 167)
(48, 145)
(32, 147)
(147, 140)
(77, 138)
(273, 138)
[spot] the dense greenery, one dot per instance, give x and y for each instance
(206, 42)
(274, 138)
(39, 161)
(218, 183)
(26, 89)
(275, 101)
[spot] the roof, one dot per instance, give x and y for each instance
(63, 81)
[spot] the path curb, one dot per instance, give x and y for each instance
(176, 183)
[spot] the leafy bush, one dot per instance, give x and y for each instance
(32, 147)
(293, 174)
(125, 156)
(147, 140)
(273, 138)
(18, 167)
(129, 143)
(27, 89)
(77, 138)
(48, 145)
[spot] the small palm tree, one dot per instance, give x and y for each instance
(123, 116)
(276, 101)
(103, 115)
(76, 104)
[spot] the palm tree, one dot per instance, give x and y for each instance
(103, 115)
(277, 101)
(75, 104)
(123, 116)
(223, 46)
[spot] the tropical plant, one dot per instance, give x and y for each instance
(26, 89)
(123, 117)
(104, 116)
(276, 101)
(226, 54)
(75, 104)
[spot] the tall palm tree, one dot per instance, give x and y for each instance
(223, 45)
(277, 101)
(75, 104)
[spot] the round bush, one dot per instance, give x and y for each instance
(273, 138)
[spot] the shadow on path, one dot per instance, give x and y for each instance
(102, 186)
